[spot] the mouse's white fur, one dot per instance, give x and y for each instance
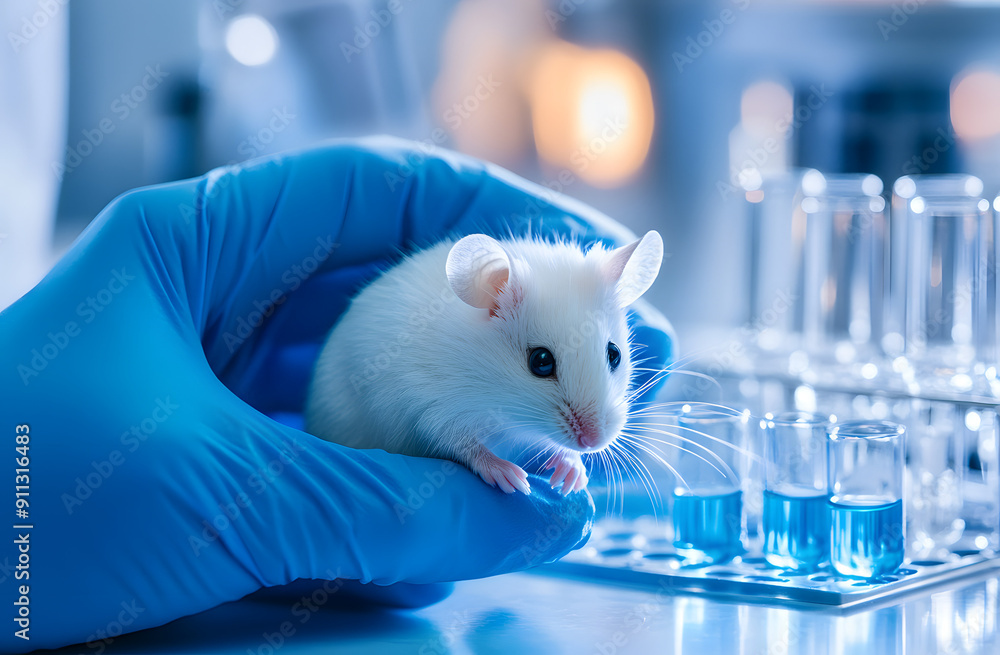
(432, 357)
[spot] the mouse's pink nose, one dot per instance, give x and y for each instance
(584, 428)
(588, 439)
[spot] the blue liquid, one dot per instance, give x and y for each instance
(796, 530)
(707, 528)
(866, 540)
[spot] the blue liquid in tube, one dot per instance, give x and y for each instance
(866, 538)
(796, 529)
(708, 525)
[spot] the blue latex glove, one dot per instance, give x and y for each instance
(146, 364)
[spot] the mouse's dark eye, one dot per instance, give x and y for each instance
(614, 356)
(541, 362)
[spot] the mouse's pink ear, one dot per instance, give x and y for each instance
(477, 269)
(635, 266)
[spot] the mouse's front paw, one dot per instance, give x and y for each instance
(569, 470)
(498, 472)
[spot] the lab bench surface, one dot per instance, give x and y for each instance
(540, 613)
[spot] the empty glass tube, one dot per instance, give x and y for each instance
(708, 519)
(865, 474)
(796, 516)
(947, 229)
(818, 274)
(981, 478)
(936, 444)
(775, 214)
(842, 277)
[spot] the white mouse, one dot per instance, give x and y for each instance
(482, 350)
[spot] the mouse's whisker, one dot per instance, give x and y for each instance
(549, 447)
(648, 481)
(641, 389)
(660, 457)
(658, 376)
(658, 429)
(692, 356)
(725, 471)
(609, 466)
(645, 477)
(602, 455)
(644, 432)
(653, 443)
(675, 366)
(646, 406)
(620, 490)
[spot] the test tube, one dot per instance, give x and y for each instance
(865, 483)
(981, 480)
(775, 214)
(818, 276)
(708, 521)
(948, 234)
(796, 517)
(935, 468)
(843, 276)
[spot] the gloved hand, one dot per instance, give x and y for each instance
(145, 366)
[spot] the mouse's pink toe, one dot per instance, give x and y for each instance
(569, 471)
(509, 477)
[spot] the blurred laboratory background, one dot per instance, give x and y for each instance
(653, 111)
(825, 175)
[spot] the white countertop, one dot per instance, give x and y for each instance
(534, 613)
